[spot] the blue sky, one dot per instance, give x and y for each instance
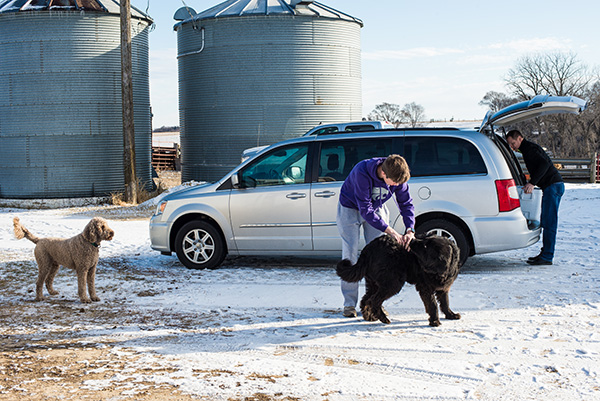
(442, 55)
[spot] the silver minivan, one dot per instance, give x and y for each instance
(465, 185)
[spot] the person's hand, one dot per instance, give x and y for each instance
(528, 188)
(394, 234)
(403, 240)
(406, 238)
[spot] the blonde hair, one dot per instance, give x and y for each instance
(396, 169)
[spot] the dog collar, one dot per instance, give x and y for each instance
(96, 245)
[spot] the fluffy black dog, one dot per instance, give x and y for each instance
(431, 265)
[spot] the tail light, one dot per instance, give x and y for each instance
(508, 196)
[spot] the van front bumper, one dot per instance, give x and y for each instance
(159, 235)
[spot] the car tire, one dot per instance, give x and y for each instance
(199, 245)
(447, 229)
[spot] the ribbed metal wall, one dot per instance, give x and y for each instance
(61, 130)
(261, 79)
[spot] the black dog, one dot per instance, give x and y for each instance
(432, 265)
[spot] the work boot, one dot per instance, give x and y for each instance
(539, 262)
(536, 257)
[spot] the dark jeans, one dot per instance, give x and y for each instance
(550, 202)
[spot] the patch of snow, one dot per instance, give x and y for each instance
(526, 333)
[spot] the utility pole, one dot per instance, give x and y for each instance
(127, 101)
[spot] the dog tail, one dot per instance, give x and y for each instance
(349, 272)
(21, 232)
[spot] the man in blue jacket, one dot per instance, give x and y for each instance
(362, 204)
(543, 174)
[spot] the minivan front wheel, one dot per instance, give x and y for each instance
(199, 245)
(447, 229)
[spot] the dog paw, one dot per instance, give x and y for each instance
(86, 300)
(39, 299)
(384, 319)
(434, 323)
(368, 314)
(95, 299)
(52, 292)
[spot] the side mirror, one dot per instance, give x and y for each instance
(296, 172)
(235, 180)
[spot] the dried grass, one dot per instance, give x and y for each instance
(163, 183)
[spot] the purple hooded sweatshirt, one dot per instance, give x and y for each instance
(364, 191)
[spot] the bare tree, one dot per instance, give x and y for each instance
(525, 80)
(497, 100)
(414, 113)
(387, 112)
(558, 74)
(588, 124)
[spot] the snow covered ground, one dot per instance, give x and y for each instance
(273, 326)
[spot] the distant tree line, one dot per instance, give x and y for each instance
(556, 74)
(164, 128)
(411, 113)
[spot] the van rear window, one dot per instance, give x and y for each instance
(432, 156)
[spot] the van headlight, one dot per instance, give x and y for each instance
(160, 208)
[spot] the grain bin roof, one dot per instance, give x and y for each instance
(238, 8)
(107, 6)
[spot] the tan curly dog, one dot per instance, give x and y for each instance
(79, 253)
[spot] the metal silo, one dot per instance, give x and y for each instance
(254, 72)
(61, 130)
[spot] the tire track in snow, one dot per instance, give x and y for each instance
(354, 362)
(328, 355)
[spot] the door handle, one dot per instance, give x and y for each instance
(324, 194)
(295, 195)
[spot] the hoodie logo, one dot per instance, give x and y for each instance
(379, 193)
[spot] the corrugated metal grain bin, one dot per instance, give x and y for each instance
(61, 129)
(254, 72)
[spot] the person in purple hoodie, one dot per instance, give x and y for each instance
(362, 204)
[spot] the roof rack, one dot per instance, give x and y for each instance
(390, 130)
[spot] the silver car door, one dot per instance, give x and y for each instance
(336, 160)
(271, 209)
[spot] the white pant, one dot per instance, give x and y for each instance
(349, 222)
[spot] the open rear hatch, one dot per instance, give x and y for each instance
(541, 105)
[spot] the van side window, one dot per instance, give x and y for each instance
(432, 156)
(337, 158)
(282, 166)
(326, 130)
(356, 128)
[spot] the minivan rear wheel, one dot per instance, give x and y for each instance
(199, 245)
(447, 229)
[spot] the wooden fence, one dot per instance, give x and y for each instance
(576, 170)
(166, 158)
